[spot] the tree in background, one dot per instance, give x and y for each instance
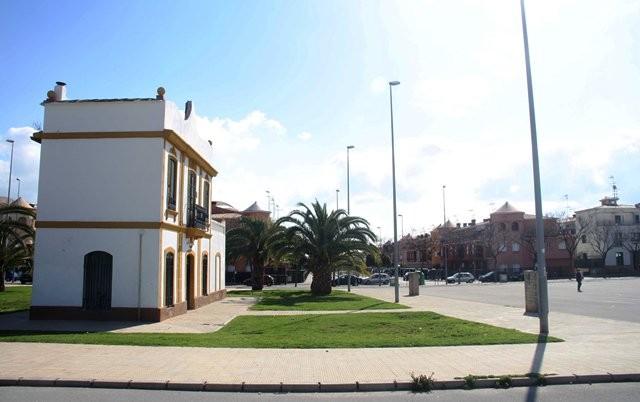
(254, 241)
(631, 242)
(332, 241)
(602, 238)
(16, 239)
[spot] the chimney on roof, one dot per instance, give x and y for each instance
(473, 222)
(485, 220)
(464, 225)
(457, 225)
(60, 90)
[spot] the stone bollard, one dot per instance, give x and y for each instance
(414, 284)
(531, 292)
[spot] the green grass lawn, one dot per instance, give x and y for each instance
(362, 330)
(15, 298)
(304, 300)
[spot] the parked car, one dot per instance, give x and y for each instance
(515, 276)
(344, 279)
(490, 276)
(461, 277)
(377, 279)
(26, 278)
(268, 281)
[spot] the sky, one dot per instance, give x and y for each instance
(284, 86)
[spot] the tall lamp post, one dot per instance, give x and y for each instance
(395, 213)
(444, 228)
(10, 169)
(348, 189)
(348, 210)
(18, 180)
(543, 301)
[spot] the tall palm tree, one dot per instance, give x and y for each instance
(252, 240)
(16, 239)
(330, 241)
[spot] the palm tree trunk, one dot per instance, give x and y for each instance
(321, 283)
(257, 282)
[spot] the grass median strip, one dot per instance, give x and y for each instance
(363, 330)
(15, 298)
(303, 300)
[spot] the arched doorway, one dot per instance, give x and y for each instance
(96, 293)
(191, 291)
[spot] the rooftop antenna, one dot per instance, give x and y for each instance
(614, 188)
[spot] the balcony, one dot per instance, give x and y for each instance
(197, 221)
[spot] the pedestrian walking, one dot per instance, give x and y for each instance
(579, 278)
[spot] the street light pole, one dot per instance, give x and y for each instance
(444, 228)
(543, 301)
(337, 192)
(348, 211)
(395, 213)
(18, 180)
(10, 169)
(348, 189)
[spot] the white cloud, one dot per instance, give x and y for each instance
(378, 85)
(26, 162)
(305, 136)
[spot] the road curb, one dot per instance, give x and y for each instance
(316, 387)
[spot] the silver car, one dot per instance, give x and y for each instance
(377, 279)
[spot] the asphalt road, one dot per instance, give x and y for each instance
(621, 392)
(615, 298)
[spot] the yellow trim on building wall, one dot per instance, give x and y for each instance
(171, 136)
(193, 232)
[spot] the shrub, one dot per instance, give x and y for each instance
(422, 383)
(470, 381)
(503, 382)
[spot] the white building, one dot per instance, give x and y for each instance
(608, 227)
(123, 228)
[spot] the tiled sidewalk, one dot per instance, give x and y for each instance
(593, 346)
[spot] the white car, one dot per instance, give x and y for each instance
(461, 277)
(377, 279)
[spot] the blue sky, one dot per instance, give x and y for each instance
(284, 86)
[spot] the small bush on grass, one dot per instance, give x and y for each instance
(422, 383)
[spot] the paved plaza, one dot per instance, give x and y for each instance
(614, 298)
(593, 345)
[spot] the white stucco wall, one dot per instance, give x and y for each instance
(218, 247)
(71, 117)
(101, 180)
(59, 265)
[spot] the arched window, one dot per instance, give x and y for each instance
(205, 196)
(515, 227)
(205, 275)
(172, 175)
(168, 279)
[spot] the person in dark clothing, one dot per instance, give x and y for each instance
(579, 278)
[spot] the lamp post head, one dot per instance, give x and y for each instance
(10, 141)
(394, 83)
(350, 147)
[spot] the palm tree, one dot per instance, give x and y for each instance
(16, 239)
(252, 240)
(330, 241)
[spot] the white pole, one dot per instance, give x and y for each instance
(543, 300)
